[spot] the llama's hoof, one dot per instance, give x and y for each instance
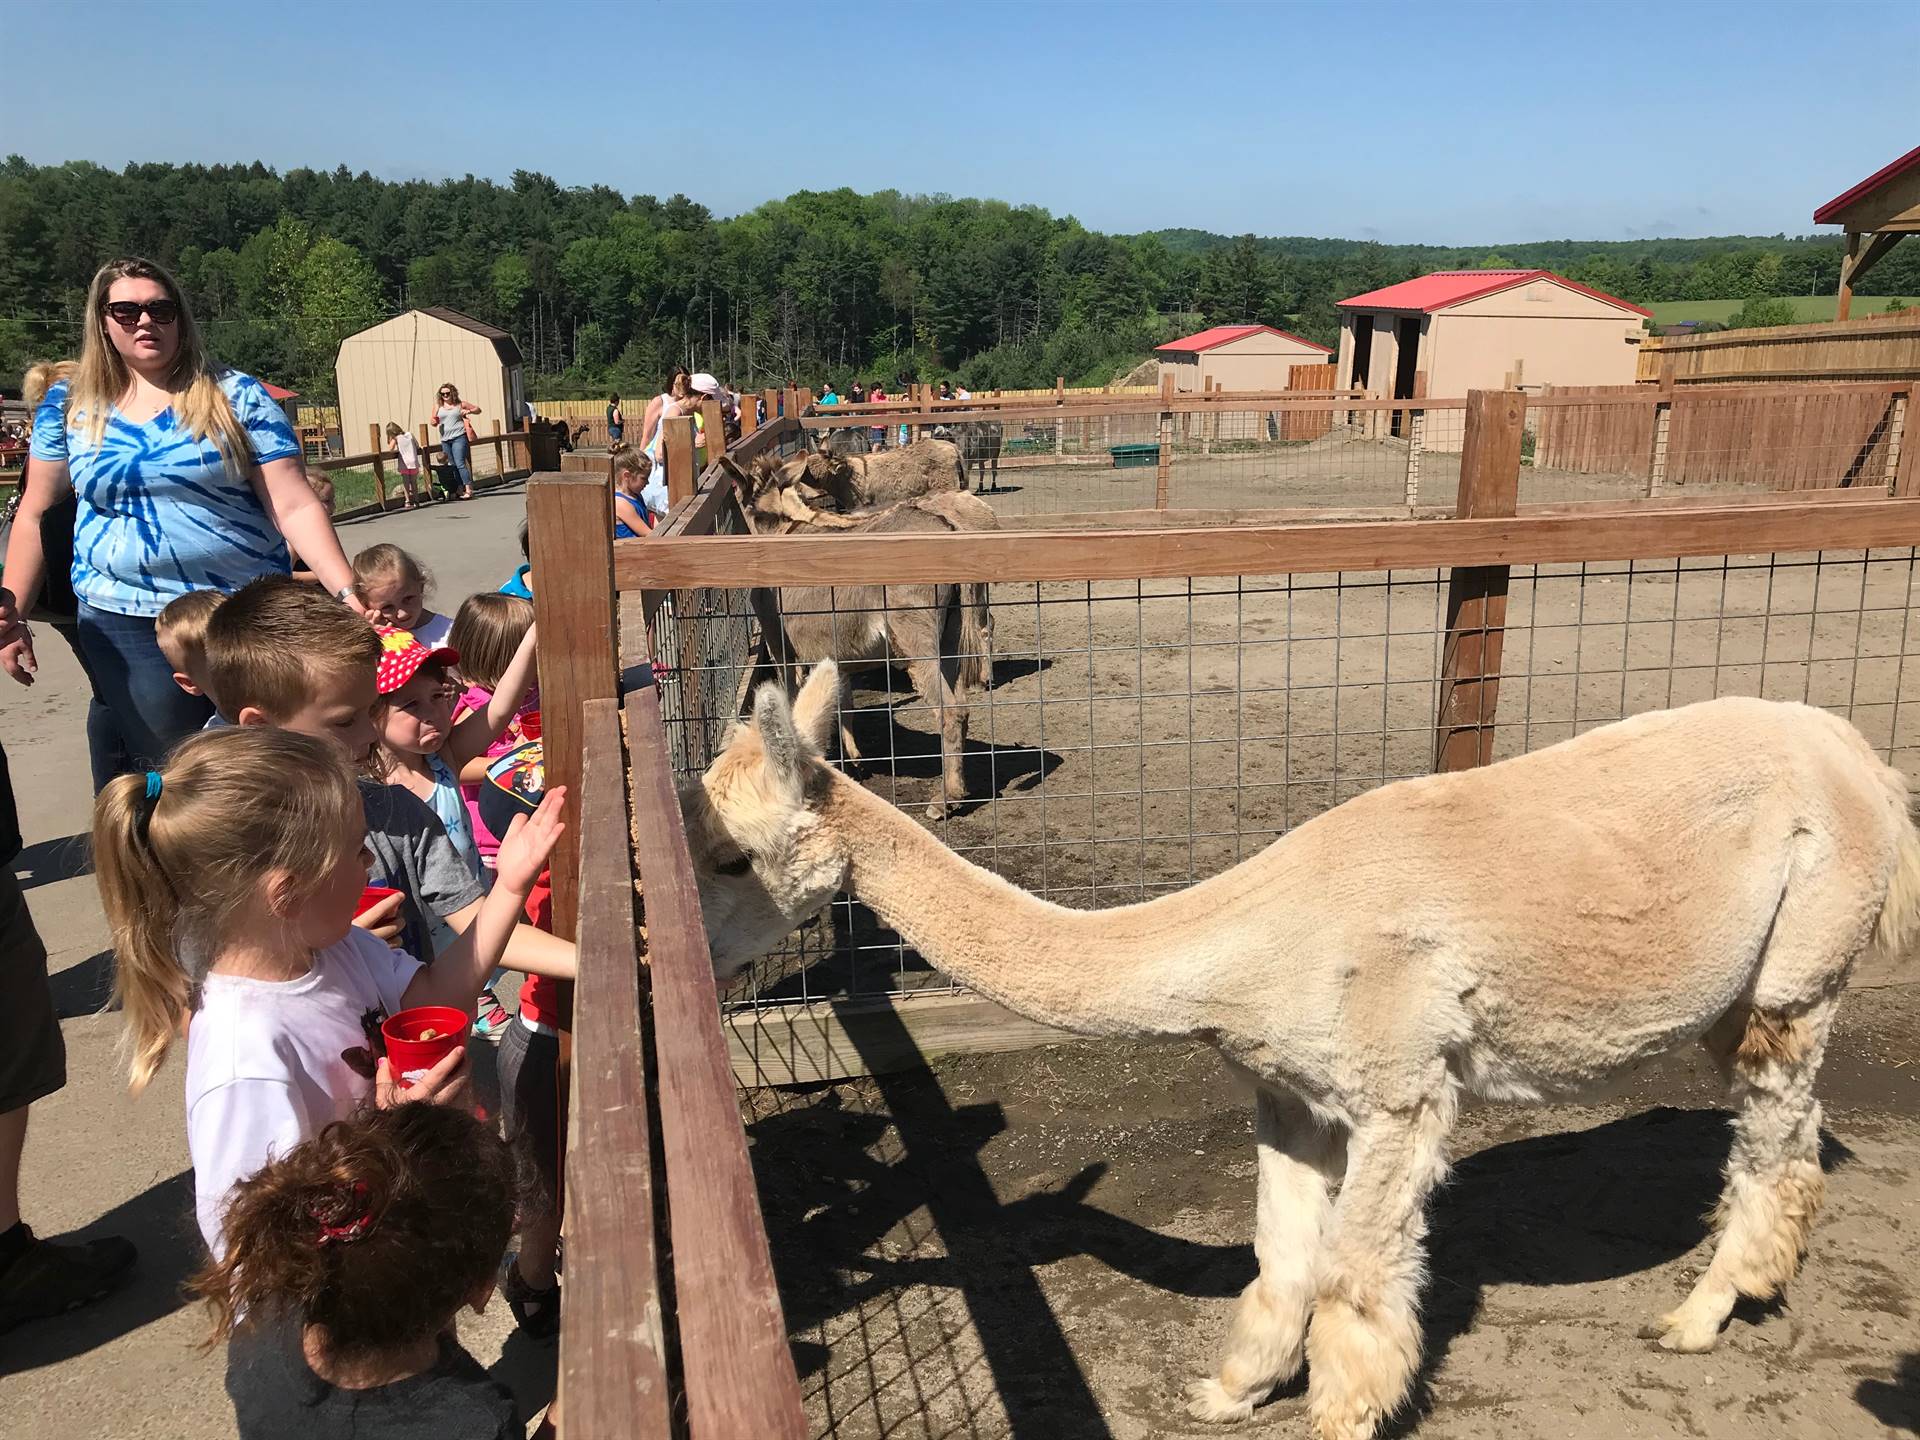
(1676, 1333)
(1208, 1400)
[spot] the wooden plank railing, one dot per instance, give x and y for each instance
(509, 457)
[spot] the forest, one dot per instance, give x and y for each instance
(605, 290)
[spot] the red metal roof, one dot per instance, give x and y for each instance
(1908, 161)
(1227, 334)
(1451, 287)
(276, 393)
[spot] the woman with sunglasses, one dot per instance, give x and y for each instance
(451, 411)
(187, 477)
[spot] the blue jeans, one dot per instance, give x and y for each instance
(459, 455)
(138, 713)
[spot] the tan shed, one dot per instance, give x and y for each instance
(1459, 330)
(393, 371)
(1238, 357)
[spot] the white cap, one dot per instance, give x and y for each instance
(705, 384)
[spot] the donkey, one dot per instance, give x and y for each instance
(942, 633)
(858, 482)
(979, 442)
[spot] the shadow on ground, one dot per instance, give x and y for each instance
(46, 862)
(159, 1221)
(1894, 1403)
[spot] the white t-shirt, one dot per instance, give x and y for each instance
(271, 1062)
(408, 449)
(433, 633)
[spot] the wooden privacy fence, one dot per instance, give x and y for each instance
(674, 1324)
(1806, 437)
(1875, 347)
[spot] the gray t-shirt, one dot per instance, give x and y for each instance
(453, 423)
(412, 854)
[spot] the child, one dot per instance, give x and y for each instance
(322, 487)
(392, 588)
(230, 879)
(348, 1259)
(487, 634)
(406, 450)
(281, 654)
(181, 633)
(632, 515)
(424, 750)
(529, 1061)
(521, 581)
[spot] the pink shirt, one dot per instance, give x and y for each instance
(514, 736)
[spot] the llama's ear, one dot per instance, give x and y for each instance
(816, 713)
(773, 719)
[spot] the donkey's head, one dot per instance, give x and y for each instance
(775, 494)
(764, 859)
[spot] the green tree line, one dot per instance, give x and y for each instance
(606, 290)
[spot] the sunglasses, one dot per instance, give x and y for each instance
(126, 313)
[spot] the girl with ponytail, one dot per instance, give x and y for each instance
(347, 1260)
(230, 879)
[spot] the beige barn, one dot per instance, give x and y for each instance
(394, 370)
(1238, 357)
(1459, 330)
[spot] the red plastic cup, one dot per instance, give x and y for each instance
(408, 1054)
(530, 724)
(372, 896)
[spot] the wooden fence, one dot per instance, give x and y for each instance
(1804, 437)
(1875, 347)
(508, 450)
(673, 1324)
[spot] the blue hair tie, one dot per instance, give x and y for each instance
(153, 784)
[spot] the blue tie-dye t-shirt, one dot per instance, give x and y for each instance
(160, 512)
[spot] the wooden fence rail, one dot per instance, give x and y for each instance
(1879, 347)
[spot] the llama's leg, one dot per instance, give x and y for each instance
(1299, 1160)
(1774, 1181)
(1364, 1344)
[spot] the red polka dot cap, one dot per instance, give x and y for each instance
(402, 655)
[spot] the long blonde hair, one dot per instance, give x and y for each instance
(102, 376)
(41, 378)
(180, 857)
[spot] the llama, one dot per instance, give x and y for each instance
(942, 633)
(1709, 873)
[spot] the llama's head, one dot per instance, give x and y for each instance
(764, 860)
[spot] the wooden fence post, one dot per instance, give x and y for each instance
(570, 547)
(1899, 412)
(377, 443)
(426, 463)
(1060, 421)
(749, 413)
(1163, 482)
(771, 399)
(1662, 426)
(499, 452)
(677, 434)
(1477, 594)
(714, 415)
(1905, 468)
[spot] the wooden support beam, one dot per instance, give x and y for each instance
(1865, 249)
(376, 442)
(677, 445)
(1477, 594)
(1163, 475)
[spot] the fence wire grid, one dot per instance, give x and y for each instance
(1139, 736)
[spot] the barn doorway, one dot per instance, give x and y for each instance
(1406, 334)
(1362, 351)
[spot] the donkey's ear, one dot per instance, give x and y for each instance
(816, 713)
(785, 757)
(740, 480)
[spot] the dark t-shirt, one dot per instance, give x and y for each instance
(276, 1395)
(9, 816)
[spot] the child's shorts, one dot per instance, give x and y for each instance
(529, 1063)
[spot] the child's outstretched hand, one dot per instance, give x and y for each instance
(528, 842)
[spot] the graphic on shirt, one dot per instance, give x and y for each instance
(161, 512)
(364, 1060)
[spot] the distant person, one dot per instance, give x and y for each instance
(406, 451)
(454, 442)
(946, 390)
(856, 394)
(876, 393)
(187, 477)
(616, 420)
(960, 392)
(679, 386)
(828, 395)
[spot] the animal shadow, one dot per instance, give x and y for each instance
(1571, 1209)
(1894, 1403)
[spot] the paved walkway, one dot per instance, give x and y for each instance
(98, 1161)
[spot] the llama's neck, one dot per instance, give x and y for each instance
(1098, 972)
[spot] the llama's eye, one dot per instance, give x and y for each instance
(738, 866)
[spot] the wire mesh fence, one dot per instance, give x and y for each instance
(1138, 736)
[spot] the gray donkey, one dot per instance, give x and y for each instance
(941, 633)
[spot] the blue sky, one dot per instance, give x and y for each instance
(1450, 123)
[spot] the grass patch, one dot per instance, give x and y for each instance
(1806, 308)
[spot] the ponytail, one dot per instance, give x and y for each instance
(143, 910)
(180, 852)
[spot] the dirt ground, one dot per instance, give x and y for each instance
(1046, 1244)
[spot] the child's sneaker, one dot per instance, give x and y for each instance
(492, 1020)
(537, 1312)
